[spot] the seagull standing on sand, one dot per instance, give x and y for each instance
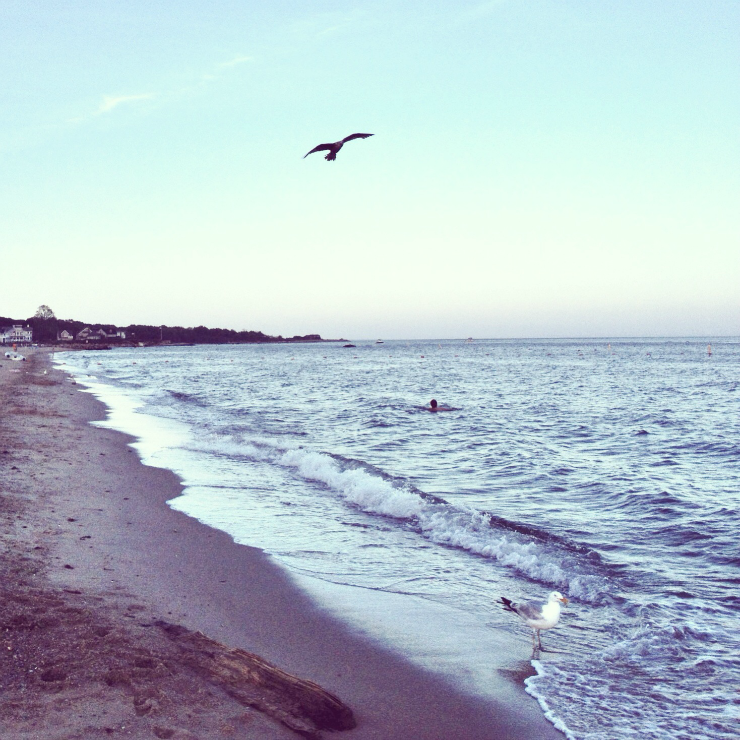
(335, 146)
(537, 616)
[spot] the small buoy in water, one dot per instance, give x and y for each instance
(709, 350)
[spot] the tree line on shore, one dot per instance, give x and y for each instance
(47, 328)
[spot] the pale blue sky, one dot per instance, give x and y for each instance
(539, 168)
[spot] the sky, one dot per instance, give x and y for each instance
(539, 168)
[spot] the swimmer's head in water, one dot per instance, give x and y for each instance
(433, 404)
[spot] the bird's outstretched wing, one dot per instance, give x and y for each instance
(355, 136)
(320, 148)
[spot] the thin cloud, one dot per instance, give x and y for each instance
(332, 29)
(219, 69)
(239, 59)
(113, 101)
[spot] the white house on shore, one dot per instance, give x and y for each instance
(16, 334)
(93, 335)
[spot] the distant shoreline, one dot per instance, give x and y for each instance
(60, 346)
(48, 330)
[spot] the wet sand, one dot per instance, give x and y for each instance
(122, 617)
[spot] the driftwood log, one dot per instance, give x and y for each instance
(301, 705)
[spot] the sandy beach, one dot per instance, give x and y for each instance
(121, 617)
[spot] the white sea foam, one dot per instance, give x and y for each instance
(531, 687)
(371, 493)
(471, 530)
(445, 524)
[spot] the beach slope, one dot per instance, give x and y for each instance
(120, 617)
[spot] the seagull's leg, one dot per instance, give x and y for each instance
(539, 639)
(535, 651)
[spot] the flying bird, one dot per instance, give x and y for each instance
(334, 147)
(537, 616)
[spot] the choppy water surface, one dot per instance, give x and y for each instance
(609, 470)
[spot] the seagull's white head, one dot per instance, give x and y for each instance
(557, 596)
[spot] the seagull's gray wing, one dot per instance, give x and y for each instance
(528, 610)
(355, 136)
(320, 148)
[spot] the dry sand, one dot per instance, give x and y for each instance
(120, 617)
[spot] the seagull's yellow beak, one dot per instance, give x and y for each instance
(564, 600)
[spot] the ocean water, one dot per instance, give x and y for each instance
(606, 469)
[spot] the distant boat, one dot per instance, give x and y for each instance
(349, 345)
(379, 341)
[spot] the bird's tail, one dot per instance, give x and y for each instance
(331, 156)
(508, 604)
